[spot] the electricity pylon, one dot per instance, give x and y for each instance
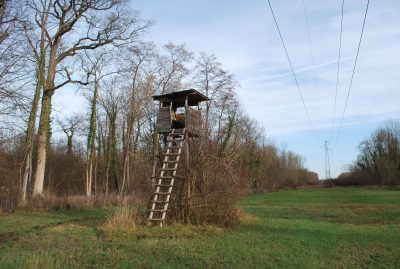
(327, 164)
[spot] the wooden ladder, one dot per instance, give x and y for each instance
(165, 183)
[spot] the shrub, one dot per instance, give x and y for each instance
(8, 200)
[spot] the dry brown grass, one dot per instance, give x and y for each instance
(216, 213)
(55, 202)
(125, 217)
(246, 218)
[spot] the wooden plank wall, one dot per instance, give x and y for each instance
(193, 124)
(163, 119)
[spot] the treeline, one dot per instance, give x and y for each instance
(101, 50)
(378, 161)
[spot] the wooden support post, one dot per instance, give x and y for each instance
(188, 164)
(155, 159)
(188, 181)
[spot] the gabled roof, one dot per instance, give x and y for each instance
(178, 98)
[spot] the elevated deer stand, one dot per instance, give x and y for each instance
(175, 128)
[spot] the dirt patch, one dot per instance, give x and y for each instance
(7, 236)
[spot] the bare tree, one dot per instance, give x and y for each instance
(39, 51)
(136, 59)
(172, 68)
(112, 100)
(97, 63)
(9, 15)
(69, 126)
(379, 157)
(73, 27)
(216, 83)
(14, 62)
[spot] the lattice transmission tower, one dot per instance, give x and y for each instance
(327, 164)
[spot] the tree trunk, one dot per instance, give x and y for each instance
(27, 176)
(129, 130)
(112, 174)
(30, 137)
(44, 125)
(30, 132)
(69, 145)
(125, 175)
(44, 129)
(128, 148)
(90, 142)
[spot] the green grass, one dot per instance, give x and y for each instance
(309, 228)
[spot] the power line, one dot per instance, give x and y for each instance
(338, 67)
(352, 75)
(292, 69)
(311, 50)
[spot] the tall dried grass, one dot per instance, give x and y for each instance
(55, 202)
(125, 217)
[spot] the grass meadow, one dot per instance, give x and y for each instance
(306, 228)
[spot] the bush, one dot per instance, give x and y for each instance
(215, 192)
(8, 200)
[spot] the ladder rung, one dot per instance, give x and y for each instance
(164, 185)
(171, 177)
(174, 139)
(168, 169)
(171, 161)
(157, 210)
(172, 154)
(168, 166)
(176, 134)
(159, 202)
(162, 193)
(177, 131)
(156, 219)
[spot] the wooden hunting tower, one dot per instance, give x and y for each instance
(178, 119)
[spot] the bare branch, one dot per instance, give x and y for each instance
(70, 80)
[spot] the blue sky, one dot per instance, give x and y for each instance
(242, 35)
